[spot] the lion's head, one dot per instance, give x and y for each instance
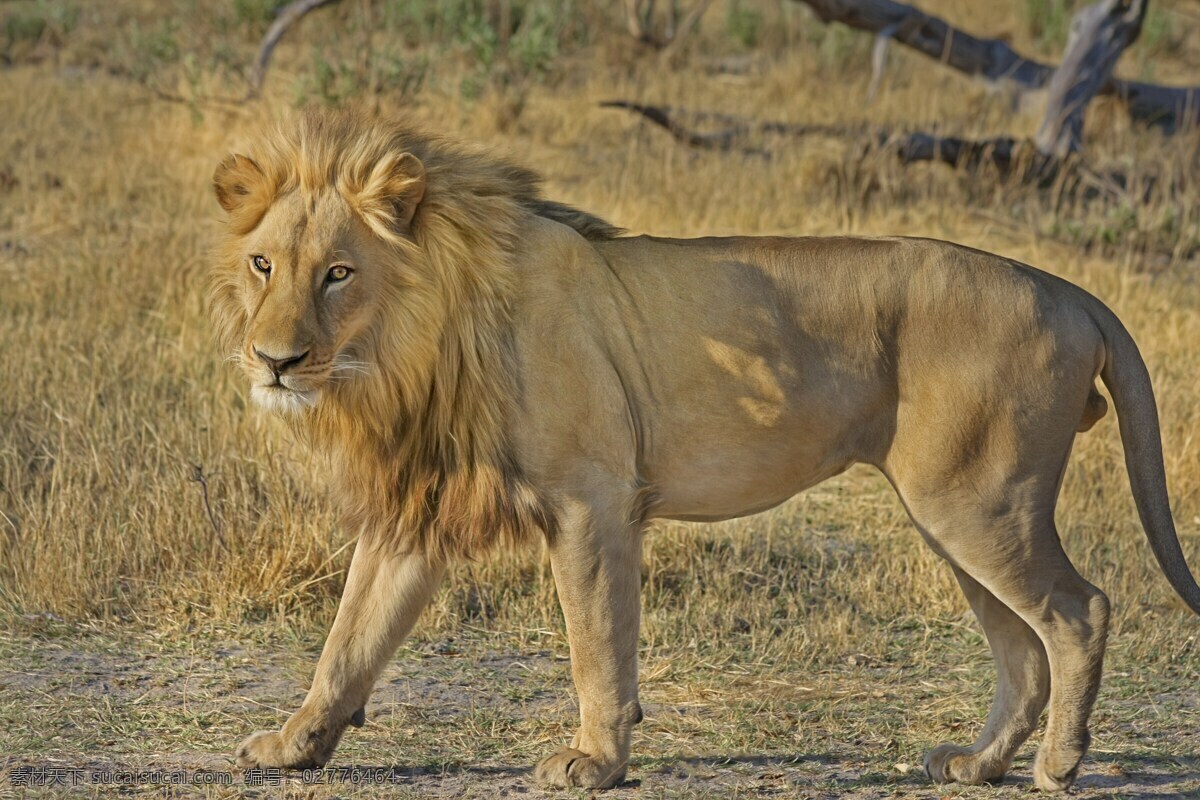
(352, 244)
(320, 274)
(309, 279)
(364, 286)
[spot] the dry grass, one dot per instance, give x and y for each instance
(112, 392)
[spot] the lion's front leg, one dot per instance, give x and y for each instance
(596, 558)
(384, 595)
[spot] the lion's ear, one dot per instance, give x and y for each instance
(237, 180)
(389, 196)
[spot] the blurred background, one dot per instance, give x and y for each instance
(169, 562)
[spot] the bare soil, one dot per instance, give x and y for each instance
(465, 718)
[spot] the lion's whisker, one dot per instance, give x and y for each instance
(345, 365)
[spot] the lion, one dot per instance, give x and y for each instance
(484, 367)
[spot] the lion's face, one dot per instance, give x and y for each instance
(303, 281)
(310, 286)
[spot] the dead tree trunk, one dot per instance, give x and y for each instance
(1169, 108)
(1099, 35)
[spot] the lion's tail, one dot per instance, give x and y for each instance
(1125, 374)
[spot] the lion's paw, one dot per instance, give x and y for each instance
(260, 749)
(949, 763)
(570, 768)
(1057, 778)
(267, 749)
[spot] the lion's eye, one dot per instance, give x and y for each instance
(262, 264)
(337, 274)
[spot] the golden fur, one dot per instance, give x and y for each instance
(481, 364)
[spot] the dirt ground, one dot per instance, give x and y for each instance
(109, 708)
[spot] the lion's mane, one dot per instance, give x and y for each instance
(419, 448)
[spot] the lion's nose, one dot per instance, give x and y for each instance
(279, 365)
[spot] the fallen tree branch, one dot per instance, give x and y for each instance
(1007, 155)
(995, 61)
(991, 59)
(736, 128)
(286, 18)
(1011, 158)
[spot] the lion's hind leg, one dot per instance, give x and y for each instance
(1016, 556)
(981, 444)
(1022, 689)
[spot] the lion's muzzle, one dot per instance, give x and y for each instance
(279, 364)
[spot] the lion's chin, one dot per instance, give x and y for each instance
(282, 400)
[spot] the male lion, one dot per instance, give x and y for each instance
(482, 365)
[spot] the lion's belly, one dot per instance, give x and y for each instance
(724, 502)
(742, 472)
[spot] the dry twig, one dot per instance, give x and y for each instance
(639, 20)
(198, 477)
(287, 17)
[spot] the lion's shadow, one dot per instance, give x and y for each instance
(1137, 774)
